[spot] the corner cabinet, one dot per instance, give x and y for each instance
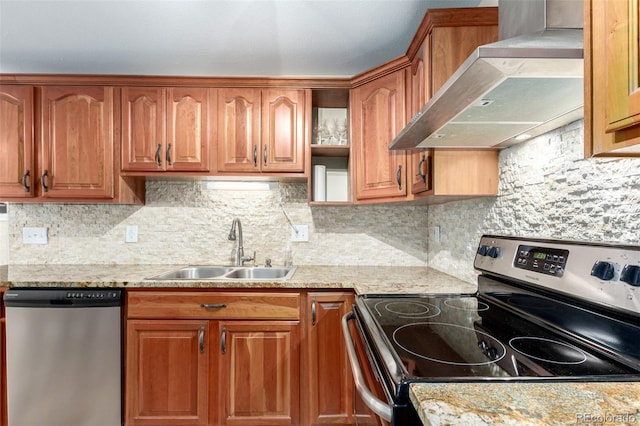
(377, 109)
(612, 88)
(166, 129)
(443, 41)
(262, 130)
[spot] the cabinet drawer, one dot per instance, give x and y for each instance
(216, 305)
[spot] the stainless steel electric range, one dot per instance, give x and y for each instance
(544, 310)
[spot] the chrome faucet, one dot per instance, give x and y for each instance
(240, 257)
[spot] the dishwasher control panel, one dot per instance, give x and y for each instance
(62, 297)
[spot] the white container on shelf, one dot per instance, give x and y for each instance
(319, 182)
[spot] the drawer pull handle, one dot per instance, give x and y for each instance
(201, 340)
(213, 305)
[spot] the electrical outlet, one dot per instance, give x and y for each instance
(302, 234)
(34, 235)
(131, 234)
(434, 234)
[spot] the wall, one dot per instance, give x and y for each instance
(182, 223)
(547, 190)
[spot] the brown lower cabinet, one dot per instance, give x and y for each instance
(234, 357)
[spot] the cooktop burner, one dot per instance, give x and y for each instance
(465, 305)
(487, 351)
(548, 350)
(415, 309)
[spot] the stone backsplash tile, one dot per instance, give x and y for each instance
(547, 190)
(182, 222)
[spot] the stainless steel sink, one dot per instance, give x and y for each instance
(193, 273)
(228, 273)
(257, 273)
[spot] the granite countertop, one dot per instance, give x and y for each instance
(437, 403)
(363, 279)
(470, 404)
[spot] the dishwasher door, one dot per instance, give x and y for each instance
(64, 357)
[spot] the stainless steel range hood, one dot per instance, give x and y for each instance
(526, 84)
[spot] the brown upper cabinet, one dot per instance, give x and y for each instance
(58, 144)
(167, 129)
(17, 163)
(444, 40)
(261, 130)
(612, 92)
(377, 116)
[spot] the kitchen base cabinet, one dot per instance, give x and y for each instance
(258, 373)
(167, 367)
(330, 391)
(212, 358)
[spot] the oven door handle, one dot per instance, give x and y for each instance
(379, 407)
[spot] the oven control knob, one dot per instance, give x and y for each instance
(494, 252)
(482, 250)
(631, 275)
(603, 270)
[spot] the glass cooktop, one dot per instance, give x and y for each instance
(465, 337)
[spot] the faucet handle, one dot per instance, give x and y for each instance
(267, 263)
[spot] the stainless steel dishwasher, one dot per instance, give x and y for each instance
(64, 357)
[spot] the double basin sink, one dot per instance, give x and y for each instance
(227, 273)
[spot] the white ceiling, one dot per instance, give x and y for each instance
(209, 37)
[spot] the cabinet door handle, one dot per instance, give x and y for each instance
(201, 340)
(423, 175)
(399, 177)
(213, 305)
(43, 180)
(25, 176)
(255, 156)
(264, 155)
(223, 341)
(169, 154)
(313, 312)
(158, 158)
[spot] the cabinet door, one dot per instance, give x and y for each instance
(378, 115)
(612, 70)
(77, 141)
(420, 94)
(238, 130)
(188, 129)
(143, 128)
(258, 373)
(167, 366)
(283, 130)
(330, 390)
(16, 141)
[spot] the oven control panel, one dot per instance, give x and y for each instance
(605, 274)
(544, 260)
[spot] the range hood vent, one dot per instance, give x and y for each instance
(526, 84)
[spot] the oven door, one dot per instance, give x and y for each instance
(371, 405)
